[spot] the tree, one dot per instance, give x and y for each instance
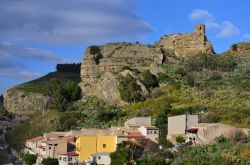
(149, 79)
(125, 153)
(72, 91)
(29, 159)
(56, 92)
(75, 68)
(50, 161)
(180, 139)
(153, 155)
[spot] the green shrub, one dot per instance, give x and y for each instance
(129, 90)
(96, 52)
(149, 79)
(50, 161)
(162, 77)
(29, 159)
(180, 139)
(180, 71)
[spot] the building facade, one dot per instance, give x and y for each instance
(88, 145)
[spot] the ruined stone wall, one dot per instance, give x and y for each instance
(188, 44)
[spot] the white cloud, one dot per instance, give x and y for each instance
(246, 36)
(71, 21)
(228, 29)
(225, 29)
(200, 15)
(212, 25)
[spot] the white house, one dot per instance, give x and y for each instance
(150, 132)
(69, 158)
(101, 158)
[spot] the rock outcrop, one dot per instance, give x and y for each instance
(19, 102)
(99, 76)
(240, 49)
(100, 79)
(188, 44)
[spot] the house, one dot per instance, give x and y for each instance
(31, 145)
(69, 158)
(134, 123)
(150, 132)
(207, 132)
(100, 158)
(88, 145)
(188, 127)
(55, 147)
(177, 125)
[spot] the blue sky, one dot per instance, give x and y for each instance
(35, 35)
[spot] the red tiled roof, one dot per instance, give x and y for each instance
(135, 134)
(73, 153)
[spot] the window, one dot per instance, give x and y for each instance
(70, 159)
(99, 157)
(64, 159)
(104, 146)
(155, 132)
(60, 158)
(49, 148)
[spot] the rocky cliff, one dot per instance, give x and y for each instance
(20, 102)
(99, 76)
(101, 79)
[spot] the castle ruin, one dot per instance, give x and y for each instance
(188, 44)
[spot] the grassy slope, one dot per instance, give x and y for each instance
(39, 85)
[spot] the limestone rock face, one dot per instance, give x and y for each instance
(101, 79)
(240, 49)
(19, 102)
(188, 44)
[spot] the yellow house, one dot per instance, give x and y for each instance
(88, 145)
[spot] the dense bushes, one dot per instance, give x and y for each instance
(221, 152)
(212, 62)
(149, 79)
(126, 153)
(129, 90)
(63, 93)
(50, 161)
(29, 159)
(69, 67)
(153, 155)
